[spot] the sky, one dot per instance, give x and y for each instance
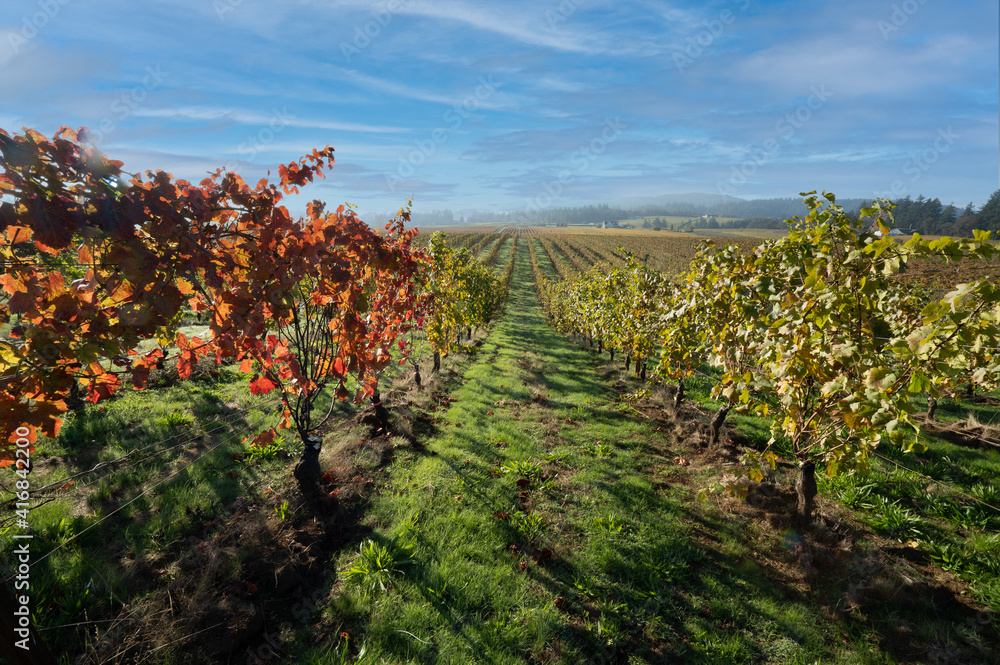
(518, 105)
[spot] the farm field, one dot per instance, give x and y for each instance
(678, 220)
(597, 231)
(525, 506)
(672, 252)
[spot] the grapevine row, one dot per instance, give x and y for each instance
(97, 261)
(812, 331)
(466, 295)
(564, 271)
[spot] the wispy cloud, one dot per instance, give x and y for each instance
(250, 118)
(530, 27)
(561, 68)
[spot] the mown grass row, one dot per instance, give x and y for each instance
(548, 522)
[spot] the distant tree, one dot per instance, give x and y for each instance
(930, 214)
(903, 213)
(964, 225)
(989, 214)
(946, 221)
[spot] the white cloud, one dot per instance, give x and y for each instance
(852, 155)
(852, 66)
(250, 118)
(532, 28)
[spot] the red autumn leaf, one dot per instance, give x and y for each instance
(140, 375)
(197, 304)
(31, 436)
(261, 385)
(12, 282)
(186, 363)
(185, 287)
(264, 439)
(102, 387)
(54, 223)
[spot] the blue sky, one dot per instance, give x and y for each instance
(505, 106)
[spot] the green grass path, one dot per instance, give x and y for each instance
(545, 523)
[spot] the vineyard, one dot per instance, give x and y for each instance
(239, 437)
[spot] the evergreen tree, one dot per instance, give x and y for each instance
(930, 213)
(946, 220)
(989, 214)
(903, 213)
(964, 225)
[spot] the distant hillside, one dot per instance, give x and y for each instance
(926, 216)
(693, 205)
(679, 201)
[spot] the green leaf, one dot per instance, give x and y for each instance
(919, 383)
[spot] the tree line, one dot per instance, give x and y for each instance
(923, 215)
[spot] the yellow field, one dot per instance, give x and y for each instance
(605, 233)
(668, 219)
(458, 228)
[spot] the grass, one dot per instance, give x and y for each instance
(605, 559)
(944, 502)
(529, 515)
(125, 484)
(377, 565)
